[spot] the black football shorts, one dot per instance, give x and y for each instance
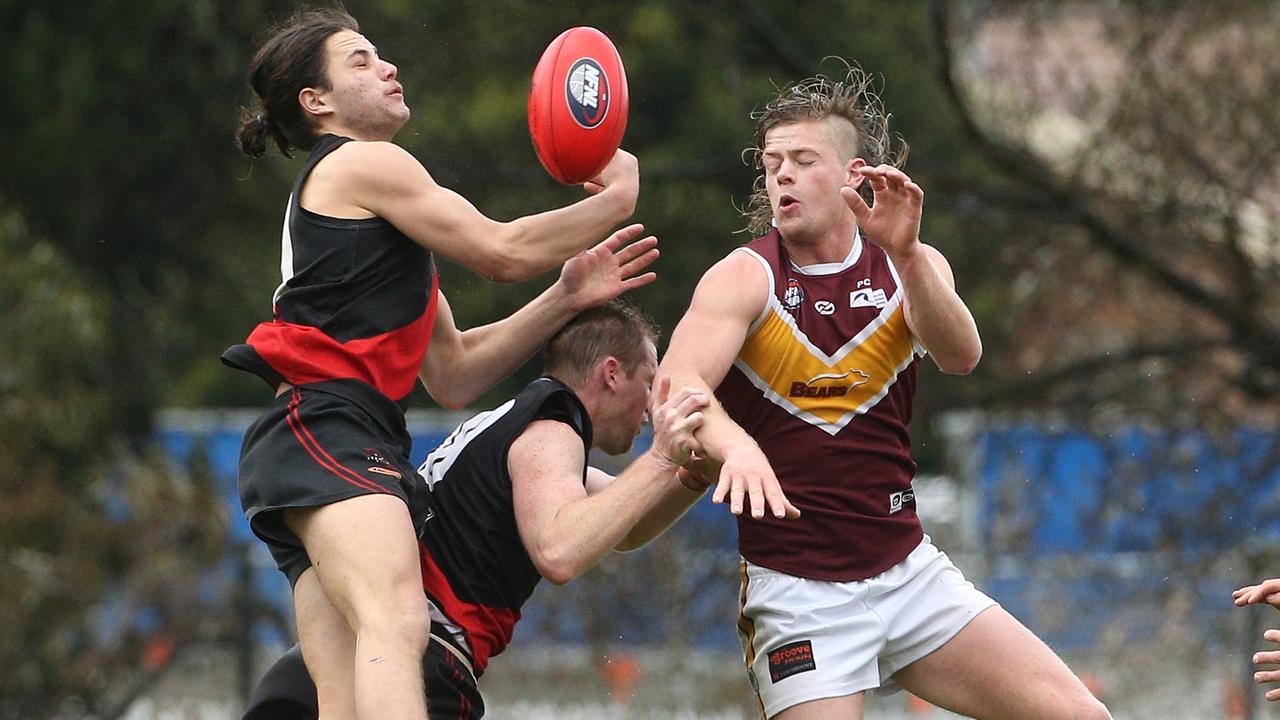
(315, 445)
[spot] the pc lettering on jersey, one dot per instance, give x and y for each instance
(791, 659)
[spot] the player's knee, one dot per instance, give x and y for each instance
(411, 620)
(403, 619)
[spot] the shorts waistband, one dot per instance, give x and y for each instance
(451, 646)
(383, 410)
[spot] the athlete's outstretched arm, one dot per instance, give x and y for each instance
(460, 365)
(728, 299)
(390, 183)
(936, 315)
(566, 531)
(688, 485)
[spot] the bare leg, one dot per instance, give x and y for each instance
(328, 648)
(845, 707)
(996, 669)
(365, 555)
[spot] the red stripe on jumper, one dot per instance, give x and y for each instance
(389, 361)
(488, 629)
(314, 449)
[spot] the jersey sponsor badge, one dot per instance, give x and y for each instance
(899, 500)
(867, 297)
(791, 659)
(824, 307)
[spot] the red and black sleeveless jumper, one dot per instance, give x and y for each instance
(352, 320)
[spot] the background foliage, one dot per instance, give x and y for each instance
(1102, 176)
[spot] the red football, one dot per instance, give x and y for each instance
(578, 105)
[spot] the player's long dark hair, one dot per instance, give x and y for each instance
(853, 99)
(293, 58)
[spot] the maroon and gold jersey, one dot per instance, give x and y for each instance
(824, 383)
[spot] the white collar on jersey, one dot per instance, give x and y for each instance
(832, 268)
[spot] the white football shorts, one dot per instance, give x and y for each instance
(811, 639)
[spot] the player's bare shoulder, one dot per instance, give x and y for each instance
(383, 165)
(737, 283)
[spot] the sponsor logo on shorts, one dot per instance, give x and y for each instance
(828, 384)
(899, 500)
(791, 659)
(373, 455)
(586, 88)
(386, 471)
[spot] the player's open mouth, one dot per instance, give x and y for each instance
(787, 202)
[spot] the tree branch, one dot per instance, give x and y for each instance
(1037, 384)
(1023, 166)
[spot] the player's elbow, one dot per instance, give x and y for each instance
(557, 574)
(961, 363)
(557, 565)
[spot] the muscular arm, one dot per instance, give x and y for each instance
(460, 365)
(565, 530)
(730, 296)
(673, 500)
(935, 314)
(385, 180)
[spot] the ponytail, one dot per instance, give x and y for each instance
(255, 127)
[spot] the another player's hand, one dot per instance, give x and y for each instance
(675, 418)
(1267, 591)
(596, 276)
(893, 220)
(746, 473)
(1269, 658)
(699, 473)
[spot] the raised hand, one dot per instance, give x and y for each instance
(893, 221)
(623, 171)
(1267, 591)
(596, 276)
(1270, 658)
(675, 418)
